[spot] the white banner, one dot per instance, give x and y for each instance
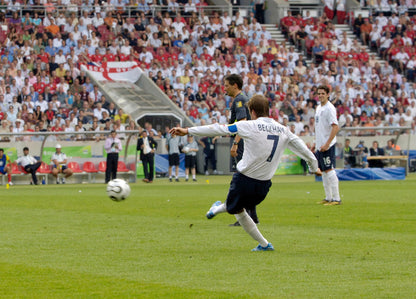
(114, 71)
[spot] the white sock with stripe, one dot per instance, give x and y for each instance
(334, 185)
(251, 228)
(327, 188)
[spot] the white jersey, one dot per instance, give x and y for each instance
(264, 143)
(58, 157)
(325, 117)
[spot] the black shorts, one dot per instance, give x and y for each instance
(245, 193)
(326, 160)
(174, 160)
(190, 161)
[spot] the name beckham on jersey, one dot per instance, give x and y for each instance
(269, 128)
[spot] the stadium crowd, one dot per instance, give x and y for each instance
(187, 53)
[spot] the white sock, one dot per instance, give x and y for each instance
(186, 177)
(194, 176)
(334, 185)
(327, 188)
(222, 208)
(251, 228)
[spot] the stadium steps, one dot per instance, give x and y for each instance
(351, 35)
(279, 37)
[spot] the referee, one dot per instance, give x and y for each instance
(233, 85)
(112, 147)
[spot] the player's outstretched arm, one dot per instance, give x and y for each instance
(178, 131)
(297, 146)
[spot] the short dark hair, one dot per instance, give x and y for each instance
(260, 105)
(326, 88)
(1, 150)
(235, 79)
(25, 148)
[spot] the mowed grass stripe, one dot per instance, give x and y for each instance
(159, 243)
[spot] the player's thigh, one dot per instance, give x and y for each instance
(245, 192)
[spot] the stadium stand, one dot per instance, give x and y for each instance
(187, 51)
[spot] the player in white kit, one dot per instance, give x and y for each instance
(264, 143)
(326, 129)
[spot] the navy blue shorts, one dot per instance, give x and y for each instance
(245, 193)
(190, 161)
(326, 160)
(63, 167)
(174, 160)
(2, 170)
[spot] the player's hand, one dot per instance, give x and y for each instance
(178, 131)
(318, 172)
(233, 151)
(324, 148)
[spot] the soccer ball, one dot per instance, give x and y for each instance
(186, 149)
(118, 189)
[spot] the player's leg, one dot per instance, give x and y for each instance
(331, 175)
(251, 228)
(9, 174)
(324, 166)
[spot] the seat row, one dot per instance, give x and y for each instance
(88, 168)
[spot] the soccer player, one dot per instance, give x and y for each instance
(5, 167)
(59, 161)
(233, 85)
(29, 164)
(326, 129)
(252, 181)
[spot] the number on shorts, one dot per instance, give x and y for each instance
(275, 139)
(327, 161)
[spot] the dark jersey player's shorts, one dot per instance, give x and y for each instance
(174, 160)
(326, 160)
(246, 192)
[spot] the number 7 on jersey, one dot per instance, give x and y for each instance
(275, 139)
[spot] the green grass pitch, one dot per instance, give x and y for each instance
(72, 241)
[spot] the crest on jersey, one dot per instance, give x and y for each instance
(240, 104)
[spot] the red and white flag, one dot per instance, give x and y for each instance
(114, 71)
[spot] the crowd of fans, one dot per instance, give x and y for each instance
(365, 91)
(187, 53)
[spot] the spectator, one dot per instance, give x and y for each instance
(375, 150)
